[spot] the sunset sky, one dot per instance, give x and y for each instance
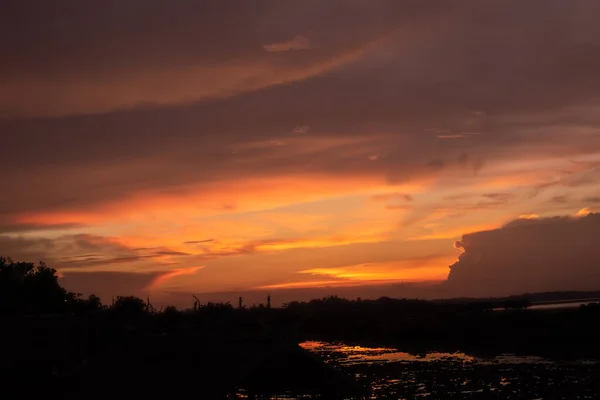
(168, 148)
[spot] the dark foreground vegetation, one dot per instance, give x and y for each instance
(61, 344)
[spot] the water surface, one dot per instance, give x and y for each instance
(562, 305)
(394, 374)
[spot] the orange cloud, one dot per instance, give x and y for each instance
(205, 200)
(234, 247)
(454, 232)
(529, 216)
(583, 212)
(160, 280)
(309, 284)
(415, 269)
(321, 242)
(430, 269)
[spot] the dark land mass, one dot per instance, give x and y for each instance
(530, 298)
(60, 344)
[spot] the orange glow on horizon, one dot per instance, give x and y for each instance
(583, 212)
(337, 283)
(410, 270)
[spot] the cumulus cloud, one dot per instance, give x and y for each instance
(529, 255)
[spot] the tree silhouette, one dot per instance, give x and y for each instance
(84, 306)
(93, 303)
(29, 288)
(130, 307)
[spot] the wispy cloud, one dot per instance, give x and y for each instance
(452, 136)
(198, 241)
(16, 228)
(308, 284)
(163, 278)
(296, 43)
(392, 196)
(411, 269)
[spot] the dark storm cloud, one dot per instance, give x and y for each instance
(559, 253)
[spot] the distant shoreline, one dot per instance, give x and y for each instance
(580, 300)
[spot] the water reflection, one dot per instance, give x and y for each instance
(393, 374)
(346, 354)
